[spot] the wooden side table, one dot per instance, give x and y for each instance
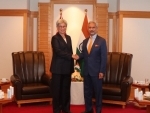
(4, 85)
(141, 86)
(5, 100)
(145, 103)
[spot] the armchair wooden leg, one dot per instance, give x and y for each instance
(19, 105)
(123, 106)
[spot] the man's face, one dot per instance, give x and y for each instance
(92, 29)
(62, 28)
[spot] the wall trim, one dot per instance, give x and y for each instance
(13, 12)
(130, 14)
(34, 14)
(134, 14)
(111, 14)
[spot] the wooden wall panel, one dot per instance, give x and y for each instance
(44, 33)
(32, 15)
(102, 20)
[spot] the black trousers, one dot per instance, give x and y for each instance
(61, 92)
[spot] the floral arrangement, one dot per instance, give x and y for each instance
(76, 75)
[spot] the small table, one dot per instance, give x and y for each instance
(142, 86)
(77, 96)
(4, 100)
(4, 85)
(144, 102)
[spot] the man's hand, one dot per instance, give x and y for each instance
(101, 75)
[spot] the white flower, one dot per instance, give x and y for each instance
(77, 68)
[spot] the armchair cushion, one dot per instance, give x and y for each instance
(35, 88)
(114, 89)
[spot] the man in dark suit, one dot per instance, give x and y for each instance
(62, 66)
(94, 53)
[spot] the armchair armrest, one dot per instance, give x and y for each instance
(127, 81)
(126, 87)
(15, 79)
(17, 84)
(46, 79)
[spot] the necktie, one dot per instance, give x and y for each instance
(90, 45)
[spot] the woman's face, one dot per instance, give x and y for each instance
(62, 28)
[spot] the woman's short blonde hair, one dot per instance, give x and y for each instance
(60, 21)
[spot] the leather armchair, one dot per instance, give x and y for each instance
(117, 81)
(31, 84)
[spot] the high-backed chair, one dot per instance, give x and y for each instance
(117, 81)
(31, 84)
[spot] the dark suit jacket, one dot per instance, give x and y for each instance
(95, 62)
(62, 61)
